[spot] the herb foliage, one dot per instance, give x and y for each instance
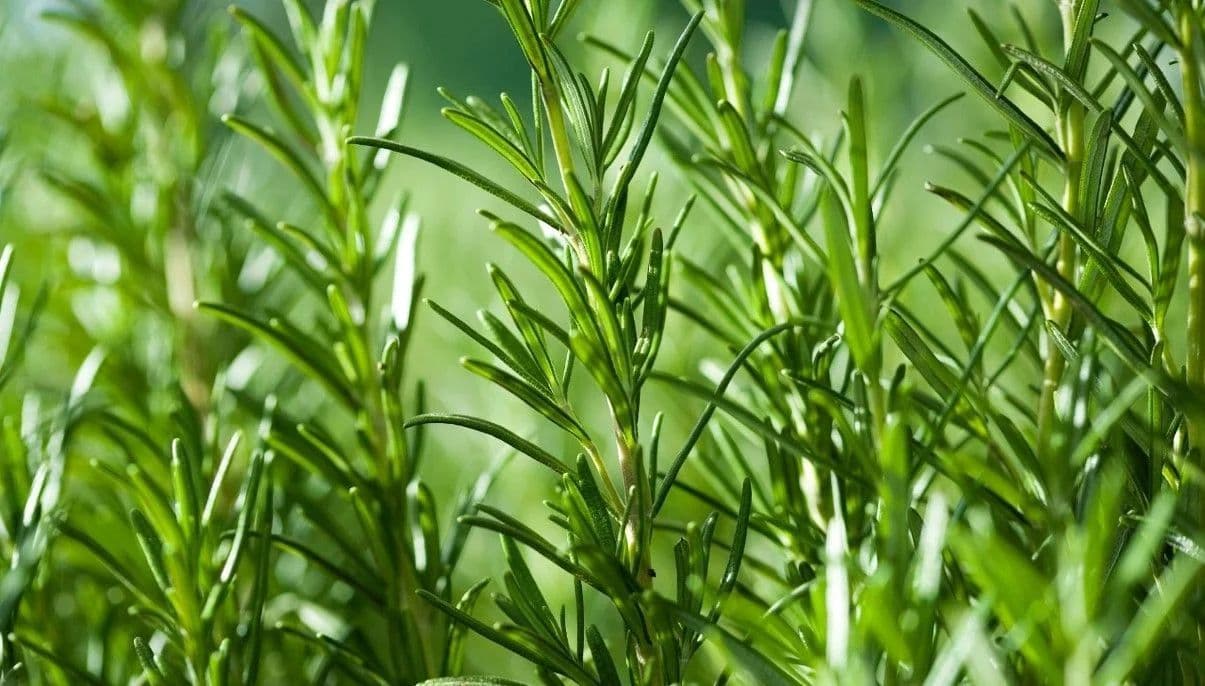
(986, 466)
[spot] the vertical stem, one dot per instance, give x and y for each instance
(1194, 210)
(563, 147)
(556, 126)
(636, 528)
(412, 642)
(1067, 9)
(401, 579)
(1071, 131)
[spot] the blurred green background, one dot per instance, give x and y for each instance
(463, 45)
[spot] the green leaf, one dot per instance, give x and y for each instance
(571, 291)
(737, 551)
(859, 166)
(645, 137)
(152, 548)
(618, 350)
(273, 47)
(1052, 71)
(1177, 581)
(497, 431)
(608, 673)
(1164, 87)
(1109, 263)
(530, 322)
(146, 658)
(757, 666)
(905, 141)
(510, 641)
(527, 34)
(696, 433)
(185, 489)
(463, 172)
(219, 478)
(535, 398)
(966, 73)
(259, 595)
(784, 85)
(1151, 107)
(1122, 342)
(238, 542)
(497, 142)
(1076, 62)
(526, 595)
(306, 353)
(1084, 97)
(305, 34)
(454, 653)
(857, 308)
(1032, 85)
(623, 113)
(507, 357)
(591, 497)
(286, 155)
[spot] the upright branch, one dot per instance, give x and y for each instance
(383, 517)
(608, 260)
(1191, 53)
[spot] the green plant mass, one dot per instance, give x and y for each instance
(815, 342)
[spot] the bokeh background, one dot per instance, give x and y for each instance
(463, 45)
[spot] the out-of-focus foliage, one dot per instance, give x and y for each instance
(748, 398)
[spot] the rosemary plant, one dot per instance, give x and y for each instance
(352, 476)
(840, 470)
(610, 266)
(1180, 117)
(1084, 466)
(901, 457)
(31, 478)
(147, 434)
(886, 449)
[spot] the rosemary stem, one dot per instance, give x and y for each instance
(1194, 211)
(1071, 129)
(556, 126)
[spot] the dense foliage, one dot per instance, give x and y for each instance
(983, 466)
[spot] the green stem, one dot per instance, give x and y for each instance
(412, 641)
(1058, 310)
(1194, 211)
(556, 126)
(637, 529)
(408, 618)
(1067, 10)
